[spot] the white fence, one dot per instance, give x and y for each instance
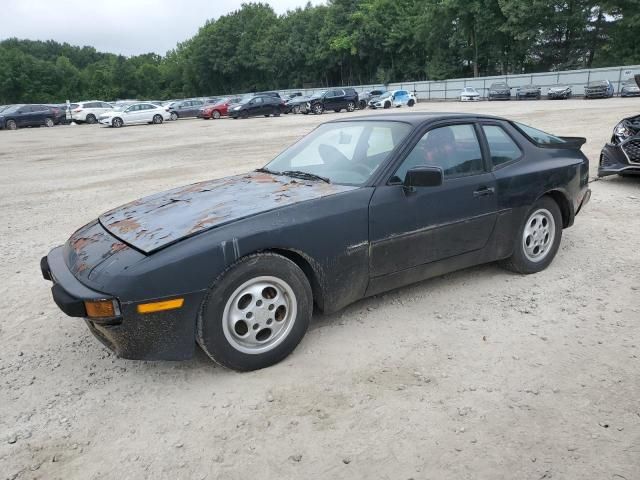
(450, 89)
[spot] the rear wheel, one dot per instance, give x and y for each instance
(387, 104)
(157, 119)
(256, 312)
(351, 106)
(174, 116)
(48, 122)
(12, 125)
(538, 238)
(117, 122)
(91, 119)
(411, 102)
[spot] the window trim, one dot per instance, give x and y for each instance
(421, 132)
(493, 123)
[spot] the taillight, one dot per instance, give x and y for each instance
(77, 110)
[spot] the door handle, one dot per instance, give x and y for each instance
(484, 191)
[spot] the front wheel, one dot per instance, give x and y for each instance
(296, 109)
(48, 122)
(256, 313)
(317, 109)
(387, 105)
(538, 238)
(12, 125)
(157, 119)
(351, 107)
(117, 122)
(411, 102)
(216, 115)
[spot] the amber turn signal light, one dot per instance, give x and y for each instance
(100, 308)
(160, 306)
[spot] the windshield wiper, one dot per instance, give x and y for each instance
(266, 170)
(305, 175)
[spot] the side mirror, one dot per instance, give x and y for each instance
(423, 177)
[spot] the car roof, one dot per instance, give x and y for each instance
(418, 118)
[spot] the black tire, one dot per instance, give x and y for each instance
(411, 103)
(174, 116)
(91, 119)
(276, 112)
(48, 122)
(117, 122)
(210, 332)
(11, 125)
(157, 119)
(337, 110)
(518, 262)
(362, 104)
(317, 109)
(387, 105)
(296, 109)
(351, 107)
(267, 115)
(244, 115)
(215, 115)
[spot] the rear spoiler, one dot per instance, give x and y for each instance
(570, 143)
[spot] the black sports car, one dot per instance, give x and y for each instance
(356, 208)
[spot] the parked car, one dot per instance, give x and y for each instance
(598, 89)
(257, 105)
(630, 88)
(20, 116)
(469, 94)
(220, 108)
(236, 265)
(296, 104)
(499, 91)
(559, 92)
(393, 98)
(143, 112)
(185, 108)
(89, 111)
(621, 155)
(529, 91)
(336, 100)
(365, 97)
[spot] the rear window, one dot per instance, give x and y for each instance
(538, 136)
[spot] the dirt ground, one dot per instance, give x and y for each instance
(481, 374)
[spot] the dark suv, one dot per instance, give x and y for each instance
(336, 100)
(18, 116)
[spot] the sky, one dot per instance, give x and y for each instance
(128, 27)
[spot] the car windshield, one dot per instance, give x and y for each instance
(560, 86)
(499, 85)
(12, 108)
(469, 89)
(598, 83)
(121, 107)
(539, 136)
(385, 95)
(347, 153)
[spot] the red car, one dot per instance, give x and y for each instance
(219, 109)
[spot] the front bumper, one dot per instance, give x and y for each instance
(596, 94)
(499, 96)
(558, 95)
(469, 99)
(166, 335)
(620, 158)
(630, 93)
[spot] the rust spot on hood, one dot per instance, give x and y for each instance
(158, 220)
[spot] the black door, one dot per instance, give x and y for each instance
(414, 227)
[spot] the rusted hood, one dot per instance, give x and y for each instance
(156, 221)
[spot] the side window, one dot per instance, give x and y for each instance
(503, 149)
(454, 148)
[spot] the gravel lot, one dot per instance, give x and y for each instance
(479, 374)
